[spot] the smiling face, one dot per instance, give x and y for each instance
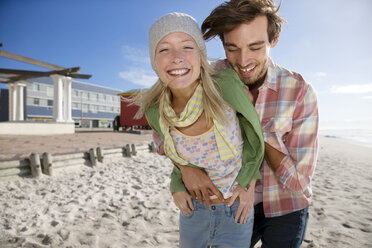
(247, 48)
(177, 59)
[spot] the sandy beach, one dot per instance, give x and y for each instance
(126, 202)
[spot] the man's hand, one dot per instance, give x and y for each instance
(199, 184)
(159, 142)
(246, 201)
(183, 201)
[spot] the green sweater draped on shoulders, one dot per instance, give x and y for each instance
(231, 88)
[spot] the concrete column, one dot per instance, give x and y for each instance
(58, 99)
(12, 102)
(20, 101)
(67, 99)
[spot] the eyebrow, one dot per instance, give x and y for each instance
(256, 43)
(183, 41)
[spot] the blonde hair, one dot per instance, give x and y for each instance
(213, 103)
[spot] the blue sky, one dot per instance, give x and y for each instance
(327, 41)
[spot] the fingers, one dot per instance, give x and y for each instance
(190, 204)
(233, 198)
(193, 194)
(183, 201)
(216, 192)
(161, 150)
(186, 211)
(246, 214)
(206, 197)
(210, 192)
(186, 207)
(242, 214)
(238, 213)
(199, 197)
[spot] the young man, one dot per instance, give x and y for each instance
(287, 107)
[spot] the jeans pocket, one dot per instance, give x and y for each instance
(182, 215)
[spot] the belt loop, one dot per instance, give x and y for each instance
(228, 210)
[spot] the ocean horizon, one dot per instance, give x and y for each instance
(356, 135)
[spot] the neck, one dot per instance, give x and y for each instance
(180, 98)
(258, 83)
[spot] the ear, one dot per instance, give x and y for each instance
(274, 42)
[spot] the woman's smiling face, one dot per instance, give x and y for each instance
(177, 59)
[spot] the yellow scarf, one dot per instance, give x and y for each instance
(192, 111)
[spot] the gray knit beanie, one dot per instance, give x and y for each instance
(170, 23)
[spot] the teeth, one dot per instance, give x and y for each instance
(178, 72)
(248, 69)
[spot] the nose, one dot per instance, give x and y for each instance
(244, 58)
(177, 57)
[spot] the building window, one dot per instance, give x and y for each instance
(50, 91)
(36, 101)
(50, 103)
(75, 93)
(102, 108)
(85, 108)
(36, 87)
(93, 108)
(75, 105)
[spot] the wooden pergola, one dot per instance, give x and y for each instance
(16, 80)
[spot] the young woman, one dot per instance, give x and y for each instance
(199, 128)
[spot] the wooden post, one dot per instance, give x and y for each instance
(35, 164)
(47, 164)
(92, 157)
(127, 150)
(99, 154)
(134, 152)
(152, 147)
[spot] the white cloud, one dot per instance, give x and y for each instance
(138, 67)
(139, 76)
(136, 55)
(320, 74)
(352, 89)
(366, 97)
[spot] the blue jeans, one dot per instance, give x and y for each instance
(214, 227)
(287, 231)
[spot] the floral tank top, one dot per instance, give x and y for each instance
(202, 151)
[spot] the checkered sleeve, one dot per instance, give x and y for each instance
(296, 169)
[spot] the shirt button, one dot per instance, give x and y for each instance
(213, 207)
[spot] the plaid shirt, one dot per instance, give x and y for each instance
(287, 107)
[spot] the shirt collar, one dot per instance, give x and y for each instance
(270, 81)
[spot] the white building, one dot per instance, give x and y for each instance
(92, 105)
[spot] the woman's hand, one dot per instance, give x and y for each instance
(183, 201)
(199, 184)
(246, 201)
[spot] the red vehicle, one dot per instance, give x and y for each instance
(126, 119)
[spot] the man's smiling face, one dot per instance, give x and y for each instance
(247, 48)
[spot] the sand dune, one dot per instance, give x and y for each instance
(126, 203)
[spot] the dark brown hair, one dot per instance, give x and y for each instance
(229, 15)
